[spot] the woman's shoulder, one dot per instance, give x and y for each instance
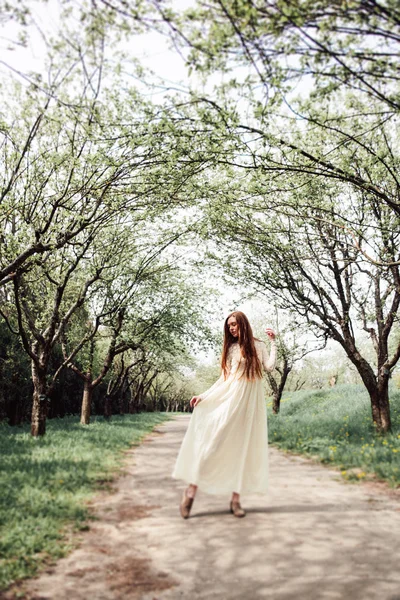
(259, 343)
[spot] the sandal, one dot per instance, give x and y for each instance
(237, 510)
(186, 505)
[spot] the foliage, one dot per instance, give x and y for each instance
(334, 425)
(204, 377)
(91, 198)
(293, 343)
(46, 484)
(315, 267)
(15, 378)
(292, 157)
(333, 65)
(323, 370)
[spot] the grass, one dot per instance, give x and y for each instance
(335, 425)
(46, 484)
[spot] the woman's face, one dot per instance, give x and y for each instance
(233, 326)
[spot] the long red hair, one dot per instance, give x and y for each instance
(247, 347)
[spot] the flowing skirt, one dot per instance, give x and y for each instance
(225, 447)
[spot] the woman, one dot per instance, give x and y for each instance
(225, 448)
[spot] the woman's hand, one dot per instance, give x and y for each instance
(194, 401)
(270, 333)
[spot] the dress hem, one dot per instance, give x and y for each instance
(215, 492)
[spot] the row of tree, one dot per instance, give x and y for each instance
(286, 170)
(93, 262)
(306, 202)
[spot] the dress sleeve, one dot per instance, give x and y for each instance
(204, 395)
(221, 379)
(269, 359)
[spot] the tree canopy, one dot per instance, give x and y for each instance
(278, 161)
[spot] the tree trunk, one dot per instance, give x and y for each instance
(107, 406)
(378, 389)
(134, 400)
(299, 385)
(275, 394)
(86, 402)
(131, 399)
(123, 402)
(121, 405)
(277, 388)
(377, 386)
(276, 402)
(39, 404)
(380, 405)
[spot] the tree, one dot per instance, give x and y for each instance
(79, 171)
(84, 158)
(159, 375)
(43, 302)
(312, 267)
(118, 382)
(332, 66)
(52, 188)
(120, 325)
(293, 344)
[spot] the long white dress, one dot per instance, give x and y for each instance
(225, 447)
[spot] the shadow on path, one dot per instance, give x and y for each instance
(312, 537)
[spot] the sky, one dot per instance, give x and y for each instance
(151, 48)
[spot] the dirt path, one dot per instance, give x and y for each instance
(312, 537)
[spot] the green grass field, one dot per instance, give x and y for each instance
(335, 425)
(46, 483)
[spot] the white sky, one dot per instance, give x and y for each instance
(151, 49)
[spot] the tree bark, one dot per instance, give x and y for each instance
(380, 405)
(134, 399)
(107, 406)
(277, 388)
(378, 390)
(39, 404)
(86, 401)
(276, 397)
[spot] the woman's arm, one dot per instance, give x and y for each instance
(204, 395)
(196, 399)
(269, 359)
